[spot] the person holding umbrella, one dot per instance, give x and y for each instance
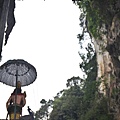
(13, 71)
(16, 99)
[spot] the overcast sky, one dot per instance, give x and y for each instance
(45, 35)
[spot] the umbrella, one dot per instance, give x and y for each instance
(17, 70)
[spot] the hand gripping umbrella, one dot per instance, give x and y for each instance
(17, 70)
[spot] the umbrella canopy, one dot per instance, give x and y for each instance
(17, 70)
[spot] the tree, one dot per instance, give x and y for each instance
(66, 104)
(43, 111)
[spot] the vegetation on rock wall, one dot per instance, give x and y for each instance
(98, 13)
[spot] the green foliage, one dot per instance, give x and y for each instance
(98, 111)
(98, 13)
(82, 100)
(66, 105)
(43, 111)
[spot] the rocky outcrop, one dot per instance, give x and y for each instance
(108, 59)
(113, 47)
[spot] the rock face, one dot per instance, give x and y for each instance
(7, 21)
(108, 59)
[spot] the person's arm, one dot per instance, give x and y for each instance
(8, 102)
(24, 101)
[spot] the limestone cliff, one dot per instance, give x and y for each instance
(108, 59)
(103, 24)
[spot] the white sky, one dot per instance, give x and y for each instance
(45, 35)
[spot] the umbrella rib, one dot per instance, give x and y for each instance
(18, 74)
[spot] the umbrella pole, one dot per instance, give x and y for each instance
(16, 94)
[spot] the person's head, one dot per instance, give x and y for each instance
(18, 84)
